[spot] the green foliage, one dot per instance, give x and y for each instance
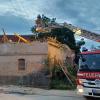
(45, 20)
(33, 29)
(73, 73)
(60, 81)
(61, 84)
(63, 34)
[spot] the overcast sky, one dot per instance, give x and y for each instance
(19, 15)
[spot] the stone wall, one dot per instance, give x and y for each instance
(36, 79)
(35, 47)
(34, 55)
(9, 64)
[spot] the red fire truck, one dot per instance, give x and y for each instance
(88, 76)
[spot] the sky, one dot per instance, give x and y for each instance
(19, 15)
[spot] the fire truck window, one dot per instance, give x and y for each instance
(92, 62)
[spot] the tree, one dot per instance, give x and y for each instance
(62, 34)
(33, 29)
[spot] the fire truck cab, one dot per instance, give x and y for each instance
(88, 76)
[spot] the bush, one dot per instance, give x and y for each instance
(60, 81)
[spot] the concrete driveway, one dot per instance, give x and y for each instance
(23, 93)
(37, 97)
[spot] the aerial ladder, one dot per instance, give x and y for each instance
(40, 27)
(83, 33)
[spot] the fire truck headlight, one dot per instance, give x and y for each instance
(80, 90)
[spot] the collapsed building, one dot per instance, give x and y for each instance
(24, 63)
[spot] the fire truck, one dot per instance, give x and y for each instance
(88, 76)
